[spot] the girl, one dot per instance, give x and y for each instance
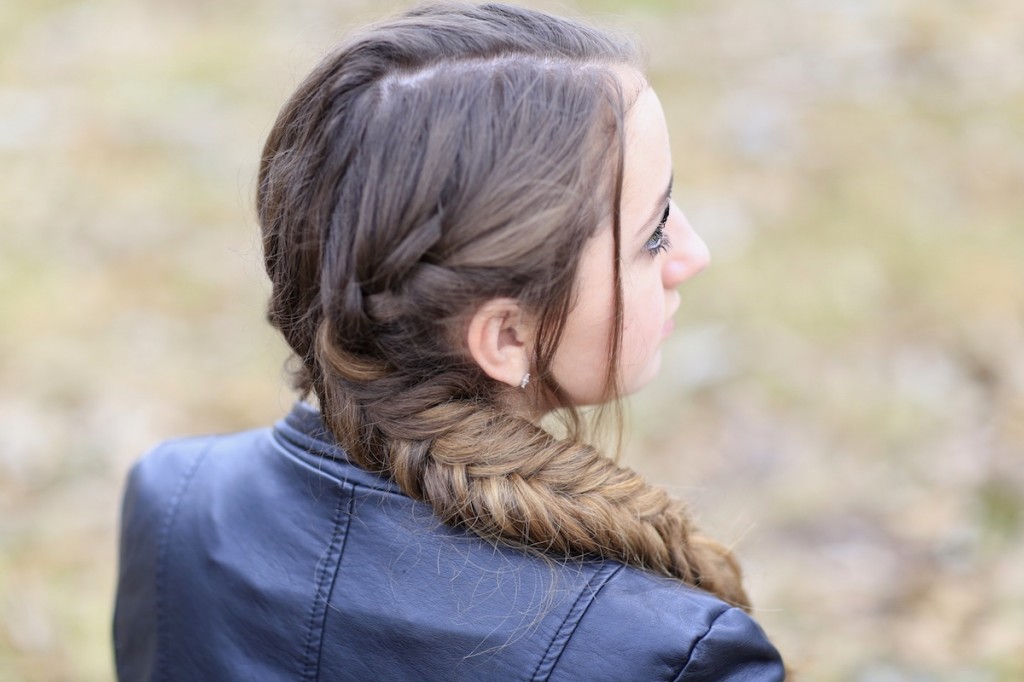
(468, 225)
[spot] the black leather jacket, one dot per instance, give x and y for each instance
(265, 555)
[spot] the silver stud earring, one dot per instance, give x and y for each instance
(525, 380)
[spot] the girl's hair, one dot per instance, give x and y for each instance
(450, 156)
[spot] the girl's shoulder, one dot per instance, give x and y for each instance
(672, 630)
(275, 533)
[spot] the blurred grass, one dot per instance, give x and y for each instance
(845, 397)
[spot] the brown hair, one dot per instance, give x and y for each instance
(447, 157)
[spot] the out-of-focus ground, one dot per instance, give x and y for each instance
(843, 401)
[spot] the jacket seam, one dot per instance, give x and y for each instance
(324, 586)
(161, 562)
(572, 619)
(696, 643)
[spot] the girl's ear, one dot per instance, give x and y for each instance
(500, 339)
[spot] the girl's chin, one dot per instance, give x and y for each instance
(649, 373)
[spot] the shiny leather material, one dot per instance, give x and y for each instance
(265, 555)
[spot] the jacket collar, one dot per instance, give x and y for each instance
(304, 436)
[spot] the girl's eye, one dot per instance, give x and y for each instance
(659, 241)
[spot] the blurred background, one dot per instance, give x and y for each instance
(843, 401)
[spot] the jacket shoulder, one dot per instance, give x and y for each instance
(179, 456)
(161, 476)
(659, 629)
(155, 486)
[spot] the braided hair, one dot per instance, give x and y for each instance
(450, 156)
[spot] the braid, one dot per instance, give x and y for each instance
(456, 155)
(506, 479)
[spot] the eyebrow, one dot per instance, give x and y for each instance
(660, 208)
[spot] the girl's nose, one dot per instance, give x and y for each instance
(688, 254)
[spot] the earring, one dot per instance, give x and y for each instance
(525, 380)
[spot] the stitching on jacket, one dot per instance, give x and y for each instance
(549, 660)
(324, 585)
(161, 558)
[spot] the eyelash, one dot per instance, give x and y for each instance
(659, 242)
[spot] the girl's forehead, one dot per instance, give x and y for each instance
(648, 158)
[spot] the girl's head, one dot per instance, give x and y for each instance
(454, 199)
(461, 156)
